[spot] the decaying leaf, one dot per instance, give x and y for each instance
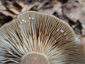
(72, 9)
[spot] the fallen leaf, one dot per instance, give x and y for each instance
(72, 9)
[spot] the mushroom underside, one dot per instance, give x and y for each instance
(43, 36)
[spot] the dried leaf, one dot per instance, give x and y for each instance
(30, 6)
(2, 7)
(72, 10)
(82, 15)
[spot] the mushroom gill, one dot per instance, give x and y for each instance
(36, 38)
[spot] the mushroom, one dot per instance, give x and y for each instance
(36, 38)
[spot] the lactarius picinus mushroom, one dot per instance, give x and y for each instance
(36, 38)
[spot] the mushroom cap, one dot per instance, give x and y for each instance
(34, 32)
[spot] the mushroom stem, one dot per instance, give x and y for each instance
(34, 58)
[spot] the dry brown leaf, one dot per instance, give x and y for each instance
(47, 11)
(57, 7)
(12, 6)
(82, 15)
(21, 3)
(8, 14)
(28, 7)
(14, 10)
(72, 10)
(2, 7)
(58, 11)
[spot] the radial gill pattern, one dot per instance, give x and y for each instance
(39, 33)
